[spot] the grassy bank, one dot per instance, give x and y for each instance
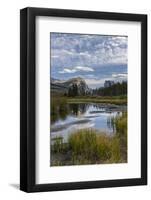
(87, 146)
(119, 100)
(98, 100)
(60, 104)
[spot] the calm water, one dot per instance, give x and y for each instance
(80, 116)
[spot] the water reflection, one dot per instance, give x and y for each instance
(66, 118)
(62, 110)
(78, 109)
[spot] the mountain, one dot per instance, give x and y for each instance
(53, 80)
(76, 86)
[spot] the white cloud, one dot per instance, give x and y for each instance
(121, 75)
(89, 49)
(54, 56)
(86, 69)
(66, 70)
(93, 83)
(76, 69)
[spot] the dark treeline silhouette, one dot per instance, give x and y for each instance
(115, 90)
(73, 90)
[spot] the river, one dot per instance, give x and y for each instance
(86, 115)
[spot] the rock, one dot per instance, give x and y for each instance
(77, 86)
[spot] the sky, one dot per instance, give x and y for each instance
(95, 58)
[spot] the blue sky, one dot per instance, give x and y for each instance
(95, 58)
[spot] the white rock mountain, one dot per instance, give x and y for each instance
(63, 86)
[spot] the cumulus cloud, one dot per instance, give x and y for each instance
(86, 69)
(76, 69)
(124, 75)
(88, 49)
(93, 83)
(94, 57)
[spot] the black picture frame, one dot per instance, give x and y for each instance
(28, 99)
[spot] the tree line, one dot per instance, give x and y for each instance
(115, 90)
(73, 90)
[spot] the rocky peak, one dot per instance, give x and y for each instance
(77, 84)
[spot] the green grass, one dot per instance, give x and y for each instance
(58, 145)
(121, 124)
(87, 145)
(59, 108)
(119, 100)
(108, 100)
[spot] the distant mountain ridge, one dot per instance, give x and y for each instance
(64, 86)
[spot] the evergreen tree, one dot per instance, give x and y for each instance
(114, 90)
(73, 90)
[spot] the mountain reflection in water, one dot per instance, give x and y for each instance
(77, 116)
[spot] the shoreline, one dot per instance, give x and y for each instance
(97, 100)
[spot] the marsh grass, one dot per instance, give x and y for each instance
(58, 145)
(95, 148)
(118, 100)
(120, 126)
(86, 145)
(59, 108)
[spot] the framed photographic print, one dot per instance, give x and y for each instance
(83, 95)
